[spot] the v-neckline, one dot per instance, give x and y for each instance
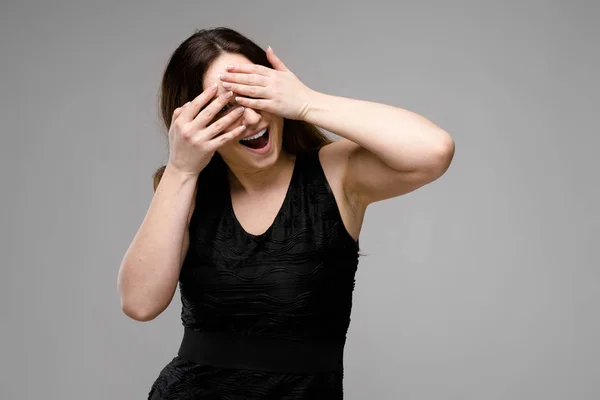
(279, 212)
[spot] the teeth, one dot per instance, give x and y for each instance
(259, 134)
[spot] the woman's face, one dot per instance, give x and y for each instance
(254, 154)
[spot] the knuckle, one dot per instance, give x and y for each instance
(179, 125)
(196, 142)
(209, 113)
(186, 136)
(224, 138)
(187, 132)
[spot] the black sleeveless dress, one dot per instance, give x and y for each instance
(265, 316)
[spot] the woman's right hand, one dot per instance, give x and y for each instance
(192, 141)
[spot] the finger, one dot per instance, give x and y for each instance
(219, 125)
(257, 104)
(249, 69)
(191, 109)
(212, 110)
(236, 133)
(247, 90)
(177, 112)
(246, 79)
(275, 61)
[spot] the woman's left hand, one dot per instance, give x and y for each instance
(277, 90)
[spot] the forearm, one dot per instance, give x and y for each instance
(402, 139)
(150, 268)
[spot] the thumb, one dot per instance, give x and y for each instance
(275, 61)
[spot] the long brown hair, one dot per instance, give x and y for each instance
(184, 73)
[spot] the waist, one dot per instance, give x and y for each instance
(260, 353)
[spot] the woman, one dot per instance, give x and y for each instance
(257, 215)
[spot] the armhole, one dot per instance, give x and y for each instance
(323, 174)
(193, 206)
(195, 203)
(190, 224)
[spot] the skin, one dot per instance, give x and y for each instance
(384, 152)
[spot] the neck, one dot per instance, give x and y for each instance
(253, 181)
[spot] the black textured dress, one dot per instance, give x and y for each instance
(265, 316)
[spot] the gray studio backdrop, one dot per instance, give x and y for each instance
(482, 285)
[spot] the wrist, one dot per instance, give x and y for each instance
(316, 105)
(179, 174)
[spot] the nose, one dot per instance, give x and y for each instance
(250, 117)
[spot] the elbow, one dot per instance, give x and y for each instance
(442, 156)
(134, 303)
(138, 313)
(136, 307)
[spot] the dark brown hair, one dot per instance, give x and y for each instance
(184, 73)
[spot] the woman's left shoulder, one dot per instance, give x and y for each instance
(334, 159)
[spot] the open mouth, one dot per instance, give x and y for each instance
(256, 141)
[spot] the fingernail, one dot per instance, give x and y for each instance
(229, 94)
(226, 84)
(214, 85)
(220, 76)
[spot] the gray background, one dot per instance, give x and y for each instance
(482, 285)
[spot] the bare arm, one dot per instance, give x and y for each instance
(385, 151)
(149, 271)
